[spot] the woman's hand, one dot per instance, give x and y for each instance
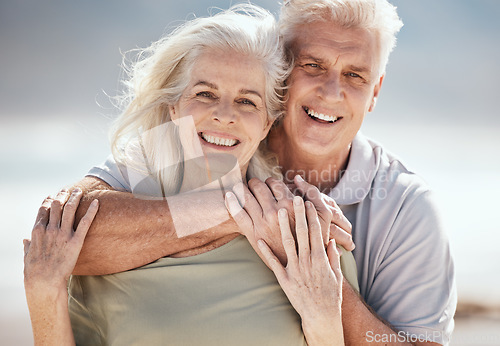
(312, 279)
(51, 255)
(49, 259)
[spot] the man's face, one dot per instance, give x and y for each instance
(333, 85)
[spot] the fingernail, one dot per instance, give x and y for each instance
(296, 200)
(229, 195)
(309, 205)
(94, 203)
(299, 178)
(282, 212)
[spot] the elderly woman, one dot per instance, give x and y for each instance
(200, 102)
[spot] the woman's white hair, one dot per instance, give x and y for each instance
(161, 73)
(378, 15)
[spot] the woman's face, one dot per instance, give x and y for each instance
(226, 99)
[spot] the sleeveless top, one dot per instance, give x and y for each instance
(226, 296)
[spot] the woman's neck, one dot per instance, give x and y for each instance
(205, 174)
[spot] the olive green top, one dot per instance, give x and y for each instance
(226, 296)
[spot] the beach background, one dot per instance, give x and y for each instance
(437, 110)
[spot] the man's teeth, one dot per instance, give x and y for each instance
(321, 115)
(226, 142)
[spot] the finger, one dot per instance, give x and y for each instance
(338, 216)
(56, 210)
(69, 210)
(238, 214)
(301, 229)
(42, 217)
(293, 188)
(342, 237)
(279, 190)
(262, 194)
(248, 201)
(86, 221)
(287, 238)
(26, 245)
(334, 259)
(315, 237)
(272, 261)
(310, 192)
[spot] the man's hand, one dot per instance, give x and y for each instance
(334, 225)
(255, 210)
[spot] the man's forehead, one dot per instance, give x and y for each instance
(325, 41)
(325, 52)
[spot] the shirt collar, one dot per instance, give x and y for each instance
(356, 181)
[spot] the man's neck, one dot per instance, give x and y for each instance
(322, 170)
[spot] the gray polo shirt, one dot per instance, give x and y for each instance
(405, 268)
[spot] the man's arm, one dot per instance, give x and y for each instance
(413, 284)
(129, 232)
(362, 326)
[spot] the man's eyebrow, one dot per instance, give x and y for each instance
(310, 57)
(360, 69)
(205, 83)
(247, 91)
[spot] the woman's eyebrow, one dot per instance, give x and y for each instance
(205, 83)
(247, 91)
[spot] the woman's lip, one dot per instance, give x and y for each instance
(218, 134)
(218, 140)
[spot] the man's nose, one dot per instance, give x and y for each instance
(331, 88)
(224, 113)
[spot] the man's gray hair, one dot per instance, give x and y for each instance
(377, 15)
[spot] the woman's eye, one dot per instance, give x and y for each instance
(247, 102)
(312, 65)
(204, 94)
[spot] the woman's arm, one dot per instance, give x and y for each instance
(312, 279)
(49, 259)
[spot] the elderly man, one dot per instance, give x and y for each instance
(405, 270)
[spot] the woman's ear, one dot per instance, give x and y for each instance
(174, 115)
(266, 128)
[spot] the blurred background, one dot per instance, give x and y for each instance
(437, 110)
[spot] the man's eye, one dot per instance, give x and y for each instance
(312, 65)
(353, 75)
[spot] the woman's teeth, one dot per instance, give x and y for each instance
(320, 116)
(226, 142)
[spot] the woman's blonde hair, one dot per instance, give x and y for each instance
(158, 77)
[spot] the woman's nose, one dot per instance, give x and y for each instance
(224, 114)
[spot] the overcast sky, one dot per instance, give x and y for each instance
(61, 57)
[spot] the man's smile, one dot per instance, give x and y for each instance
(320, 117)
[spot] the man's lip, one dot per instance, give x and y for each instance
(320, 121)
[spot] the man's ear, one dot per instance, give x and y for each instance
(376, 91)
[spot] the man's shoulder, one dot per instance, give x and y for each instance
(390, 169)
(376, 173)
